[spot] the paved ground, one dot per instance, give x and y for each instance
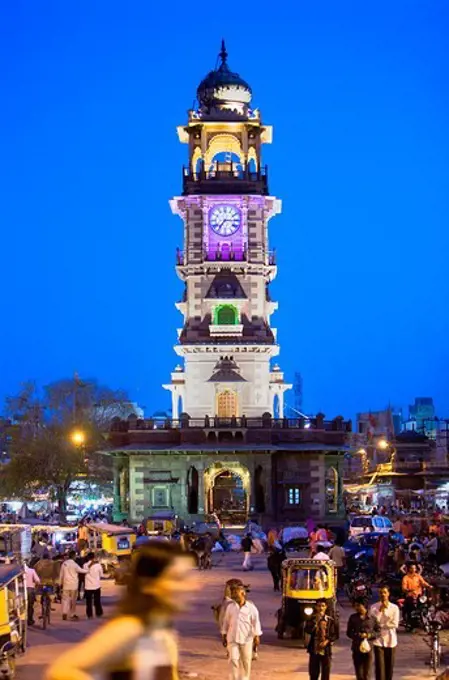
(202, 655)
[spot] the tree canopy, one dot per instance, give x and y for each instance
(44, 453)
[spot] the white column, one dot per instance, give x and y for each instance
(174, 403)
(281, 403)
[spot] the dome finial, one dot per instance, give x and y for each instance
(223, 52)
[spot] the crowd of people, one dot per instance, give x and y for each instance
(163, 579)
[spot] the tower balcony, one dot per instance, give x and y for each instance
(226, 330)
(225, 253)
(225, 178)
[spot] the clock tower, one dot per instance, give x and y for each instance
(226, 341)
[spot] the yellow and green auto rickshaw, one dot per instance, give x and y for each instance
(304, 582)
(13, 617)
(162, 523)
(113, 545)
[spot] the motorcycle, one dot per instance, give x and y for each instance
(358, 585)
(417, 614)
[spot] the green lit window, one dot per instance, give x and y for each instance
(226, 315)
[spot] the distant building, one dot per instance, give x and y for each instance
(422, 417)
(376, 424)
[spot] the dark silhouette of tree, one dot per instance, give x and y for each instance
(44, 455)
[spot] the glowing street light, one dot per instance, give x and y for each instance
(382, 444)
(78, 437)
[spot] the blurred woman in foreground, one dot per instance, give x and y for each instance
(139, 641)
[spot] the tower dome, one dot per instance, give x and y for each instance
(224, 90)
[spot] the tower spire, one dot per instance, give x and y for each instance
(223, 53)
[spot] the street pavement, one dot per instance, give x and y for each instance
(202, 655)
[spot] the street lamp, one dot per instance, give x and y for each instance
(382, 444)
(78, 437)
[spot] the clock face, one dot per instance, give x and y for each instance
(224, 219)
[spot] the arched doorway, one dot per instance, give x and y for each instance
(227, 404)
(229, 498)
(227, 488)
(192, 490)
(259, 489)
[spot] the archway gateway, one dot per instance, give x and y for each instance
(227, 489)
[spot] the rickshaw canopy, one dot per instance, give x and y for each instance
(309, 579)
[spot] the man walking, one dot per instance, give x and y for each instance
(323, 633)
(247, 544)
(32, 580)
(338, 555)
(241, 633)
(387, 616)
(68, 579)
(93, 586)
(274, 562)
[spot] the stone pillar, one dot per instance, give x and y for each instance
(281, 403)
(202, 506)
(174, 403)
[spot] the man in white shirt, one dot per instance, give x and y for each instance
(387, 615)
(32, 580)
(68, 578)
(321, 553)
(241, 633)
(92, 588)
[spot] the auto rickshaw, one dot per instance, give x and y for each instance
(13, 617)
(304, 582)
(162, 522)
(15, 543)
(60, 538)
(115, 544)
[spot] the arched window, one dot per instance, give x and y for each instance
(332, 490)
(226, 315)
(192, 490)
(252, 167)
(227, 404)
(259, 489)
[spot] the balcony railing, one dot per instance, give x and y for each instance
(226, 330)
(224, 177)
(264, 422)
(225, 253)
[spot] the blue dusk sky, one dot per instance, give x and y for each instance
(357, 92)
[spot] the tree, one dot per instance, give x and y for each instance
(44, 453)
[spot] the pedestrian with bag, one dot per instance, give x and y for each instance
(93, 586)
(362, 629)
(387, 616)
